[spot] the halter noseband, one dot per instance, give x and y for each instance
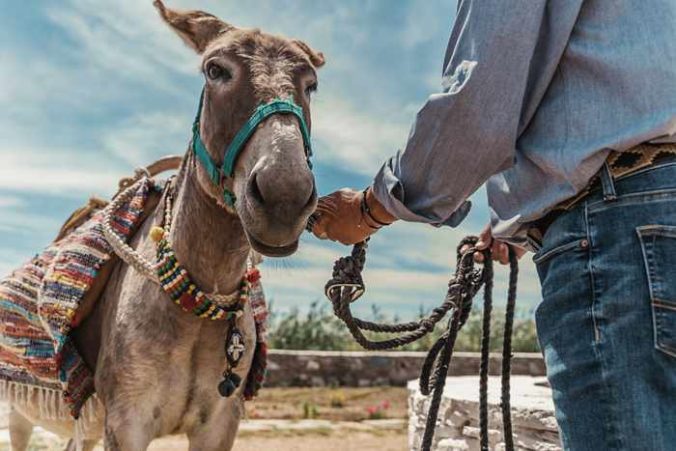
(262, 112)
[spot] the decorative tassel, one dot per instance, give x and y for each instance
(256, 376)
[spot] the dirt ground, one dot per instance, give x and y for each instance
(335, 404)
(324, 440)
(387, 441)
(296, 404)
(329, 441)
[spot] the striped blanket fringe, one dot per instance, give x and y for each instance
(38, 303)
(52, 405)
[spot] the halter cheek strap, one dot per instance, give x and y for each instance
(218, 174)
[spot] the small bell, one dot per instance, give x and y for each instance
(226, 388)
(229, 384)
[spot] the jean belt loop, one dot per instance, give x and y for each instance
(607, 183)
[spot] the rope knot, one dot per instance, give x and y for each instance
(347, 285)
(427, 325)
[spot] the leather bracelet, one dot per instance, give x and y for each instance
(366, 211)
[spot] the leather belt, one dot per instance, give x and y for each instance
(621, 165)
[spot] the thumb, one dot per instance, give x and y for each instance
(319, 226)
(485, 238)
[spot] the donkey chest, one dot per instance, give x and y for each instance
(162, 365)
(185, 391)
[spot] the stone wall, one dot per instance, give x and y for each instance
(361, 369)
(534, 425)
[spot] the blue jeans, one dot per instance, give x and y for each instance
(607, 322)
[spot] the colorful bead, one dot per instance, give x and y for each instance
(177, 283)
(253, 275)
(156, 234)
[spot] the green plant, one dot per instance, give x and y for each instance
(524, 337)
(337, 399)
(319, 329)
(310, 411)
(378, 412)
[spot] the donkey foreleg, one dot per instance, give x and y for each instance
(217, 431)
(128, 431)
(20, 430)
(86, 445)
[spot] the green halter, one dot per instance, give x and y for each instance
(216, 174)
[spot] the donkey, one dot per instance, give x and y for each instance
(157, 367)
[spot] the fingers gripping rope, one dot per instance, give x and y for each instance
(347, 285)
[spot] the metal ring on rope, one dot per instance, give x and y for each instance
(347, 285)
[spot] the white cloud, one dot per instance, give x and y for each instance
(9, 201)
(314, 253)
(356, 140)
(413, 35)
(146, 136)
(26, 222)
(56, 171)
(124, 39)
(28, 83)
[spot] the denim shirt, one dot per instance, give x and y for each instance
(535, 95)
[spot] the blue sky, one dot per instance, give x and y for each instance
(92, 89)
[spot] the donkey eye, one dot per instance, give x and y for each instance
(216, 72)
(311, 89)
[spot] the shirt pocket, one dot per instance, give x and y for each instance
(658, 243)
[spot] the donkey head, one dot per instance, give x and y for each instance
(243, 69)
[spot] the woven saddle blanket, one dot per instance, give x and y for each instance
(39, 305)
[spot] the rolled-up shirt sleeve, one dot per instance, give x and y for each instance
(468, 132)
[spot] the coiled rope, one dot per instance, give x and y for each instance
(347, 285)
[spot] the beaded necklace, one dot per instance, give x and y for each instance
(184, 291)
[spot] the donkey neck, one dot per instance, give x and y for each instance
(208, 240)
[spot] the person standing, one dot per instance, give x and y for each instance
(567, 111)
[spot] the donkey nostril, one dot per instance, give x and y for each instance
(254, 189)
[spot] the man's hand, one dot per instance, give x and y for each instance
(349, 216)
(499, 249)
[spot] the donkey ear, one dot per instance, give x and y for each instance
(316, 58)
(196, 28)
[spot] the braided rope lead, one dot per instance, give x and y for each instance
(347, 285)
(505, 401)
(485, 355)
(121, 248)
(131, 256)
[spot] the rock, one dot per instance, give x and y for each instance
(494, 436)
(534, 425)
(363, 382)
(450, 444)
(317, 381)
